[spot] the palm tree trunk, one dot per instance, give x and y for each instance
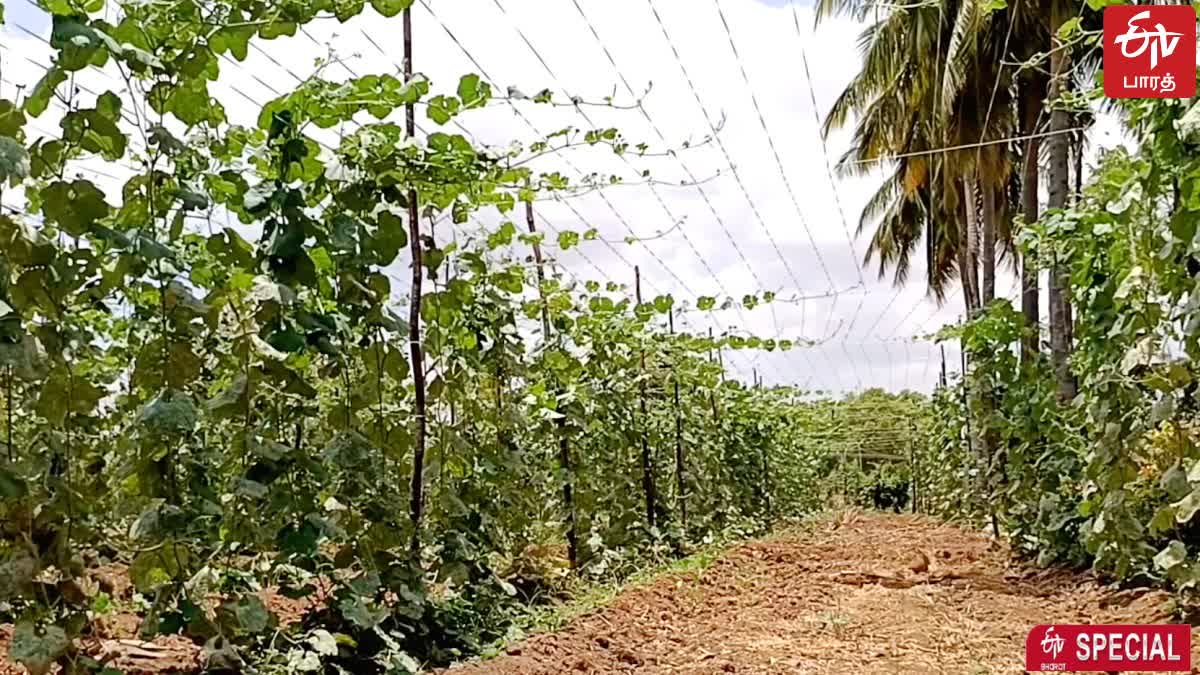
(964, 278)
(988, 245)
(1032, 92)
(1058, 185)
(1078, 196)
(970, 262)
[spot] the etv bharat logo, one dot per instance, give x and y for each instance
(1109, 648)
(1149, 52)
(1052, 644)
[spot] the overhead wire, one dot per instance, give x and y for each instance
(713, 128)
(578, 250)
(787, 184)
(663, 203)
(691, 176)
(620, 217)
(550, 71)
(725, 151)
(662, 138)
(774, 152)
(812, 95)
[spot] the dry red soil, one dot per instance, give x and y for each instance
(856, 594)
(851, 595)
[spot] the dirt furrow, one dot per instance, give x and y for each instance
(862, 593)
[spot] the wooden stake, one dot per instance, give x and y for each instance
(766, 466)
(648, 483)
(913, 474)
(416, 353)
(712, 397)
(943, 364)
(9, 408)
(680, 483)
(564, 451)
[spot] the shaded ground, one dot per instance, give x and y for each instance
(114, 639)
(854, 595)
(862, 593)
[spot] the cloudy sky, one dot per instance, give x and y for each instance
(767, 215)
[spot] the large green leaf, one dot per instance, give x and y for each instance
(473, 91)
(16, 575)
(390, 237)
(390, 8)
(39, 99)
(75, 206)
(232, 397)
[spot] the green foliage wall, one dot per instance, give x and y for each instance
(224, 408)
(1111, 478)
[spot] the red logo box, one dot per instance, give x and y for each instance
(1149, 52)
(1149, 648)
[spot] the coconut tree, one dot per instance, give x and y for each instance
(933, 77)
(890, 99)
(1057, 189)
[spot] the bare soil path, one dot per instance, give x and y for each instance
(851, 595)
(862, 593)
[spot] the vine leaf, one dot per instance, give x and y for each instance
(441, 109)
(11, 119)
(180, 296)
(37, 650)
(275, 29)
(77, 42)
(152, 522)
(231, 398)
(17, 572)
(14, 161)
(156, 567)
(1193, 475)
(568, 239)
(248, 613)
(61, 393)
(39, 99)
(473, 91)
(389, 239)
(11, 487)
(171, 413)
(390, 8)
(356, 610)
(190, 200)
(232, 39)
(76, 206)
(1185, 509)
(1188, 126)
(96, 130)
(25, 356)
(1174, 554)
